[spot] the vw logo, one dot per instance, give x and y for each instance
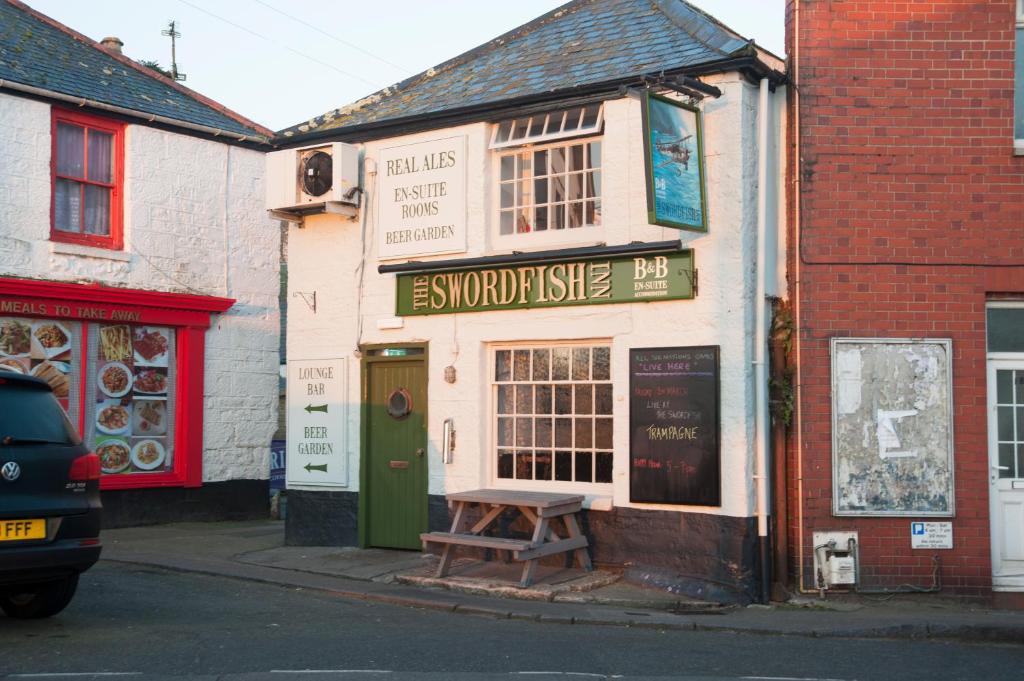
(11, 471)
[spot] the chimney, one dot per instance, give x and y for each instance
(112, 44)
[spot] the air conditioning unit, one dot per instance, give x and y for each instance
(323, 178)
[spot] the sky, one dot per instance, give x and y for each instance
(281, 62)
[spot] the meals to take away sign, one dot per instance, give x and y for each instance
(316, 423)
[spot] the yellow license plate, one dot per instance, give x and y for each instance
(15, 530)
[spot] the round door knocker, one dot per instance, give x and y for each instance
(399, 404)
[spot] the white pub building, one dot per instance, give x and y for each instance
(544, 266)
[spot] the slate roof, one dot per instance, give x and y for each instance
(38, 51)
(581, 43)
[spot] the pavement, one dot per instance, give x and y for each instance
(255, 550)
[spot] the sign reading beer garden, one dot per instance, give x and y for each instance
(551, 283)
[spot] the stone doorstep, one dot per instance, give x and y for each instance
(501, 579)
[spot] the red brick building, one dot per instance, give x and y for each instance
(907, 224)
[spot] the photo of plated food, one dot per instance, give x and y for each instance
(151, 345)
(15, 338)
(116, 343)
(53, 338)
(54, 373)
(18, 366)
(148, 455)
(151, 381)
(114, 379)
(114, 455)
(112, 417)
(149, 417)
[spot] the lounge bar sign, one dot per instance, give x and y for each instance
(316, 423)
(422, 198)
(674, 428)
(551, 283)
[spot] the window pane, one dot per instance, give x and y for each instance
(543, 432)
(1019, 380)
(584, 399)
(1006, 461)
(1004, 418)
(556, 158)
(563, 432)
(580, 364)
(503, 130)
(97, 210)
(590, 115)
(576, 157)
(575, 189)
(70, 150)
(504, 432)
(508, 168)
(542, 462)
(540, 188)
(558, 189)
(575, 215)
(524, 399)
(508, 219)
(524, 432)
(557, 217)
(603, 433)
(1018, 107)
(596, 219)
(602, 369)
(1006, 329)
(541, 362)
(572, 119)
(67, 206)
(504, 463)
(542, 399)
(563, 399)
(593, 154)
(101, 148)
(505, 399)
(541, 219)
(584, 433)
(525, 164)
(523, 223)
(603, 473)
(584, 467)
(603, 399)
(592, 184)
(537, 125)
(508, 195)
(560, 364)
(502, 365)
(521, 365)
(540, 162)
(519, 131)
(563, 465)
(524, 465)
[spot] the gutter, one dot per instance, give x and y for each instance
(393, 127)
(584, 253)
(760, 344)
(150, 118)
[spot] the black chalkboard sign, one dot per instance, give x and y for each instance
(673, 423)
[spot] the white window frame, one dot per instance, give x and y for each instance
(1018, 304)
(534, 240)
(1018, 142)
(553, 127)
(591, 489)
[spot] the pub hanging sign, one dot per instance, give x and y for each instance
(674, 156)
(551, 283)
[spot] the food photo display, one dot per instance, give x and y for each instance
(133, 399)
(41, 348)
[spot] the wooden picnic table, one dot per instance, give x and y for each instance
(539, 508)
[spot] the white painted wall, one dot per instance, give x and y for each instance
(193, 223)
(324, 256)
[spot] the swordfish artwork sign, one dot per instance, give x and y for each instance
(316, 423)
(552, 283)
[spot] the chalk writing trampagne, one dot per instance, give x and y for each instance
(655, 433)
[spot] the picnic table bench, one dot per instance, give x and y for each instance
(539, 508)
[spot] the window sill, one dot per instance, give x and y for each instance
(1018, 147)
(62, 248)
(597, 502)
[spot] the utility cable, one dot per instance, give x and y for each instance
(333, 37)
(279, 44)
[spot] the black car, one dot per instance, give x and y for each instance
(49, 501)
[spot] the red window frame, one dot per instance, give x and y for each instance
(115, 240)
(189, 315)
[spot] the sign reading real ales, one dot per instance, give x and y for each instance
(422, 198)
(673, 419)
(620, 279)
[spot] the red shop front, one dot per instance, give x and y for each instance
(127, 366)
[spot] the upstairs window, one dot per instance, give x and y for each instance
(1018, 100)
(86, 173)
(545, 127)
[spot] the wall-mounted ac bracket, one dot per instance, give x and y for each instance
(297, 215)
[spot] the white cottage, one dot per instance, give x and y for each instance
(138, 271)
(549, 273)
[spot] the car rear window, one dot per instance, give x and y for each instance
(31, 412)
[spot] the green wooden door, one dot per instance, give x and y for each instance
(395, 454)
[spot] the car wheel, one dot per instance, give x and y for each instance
(33, 601)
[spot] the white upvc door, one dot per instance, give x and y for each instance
(1006, 473)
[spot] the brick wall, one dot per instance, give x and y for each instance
(911, 208)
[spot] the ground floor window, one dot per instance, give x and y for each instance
(553, 413)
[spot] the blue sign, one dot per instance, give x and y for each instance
(917, 528)
(277, 459)
(674, 146)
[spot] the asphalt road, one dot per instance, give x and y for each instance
(141, 623)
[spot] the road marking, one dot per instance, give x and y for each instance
(331, 671)
(596, 676)
(790, 678)
(50, 675)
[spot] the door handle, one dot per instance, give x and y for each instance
(420, 452)
(1000, 468)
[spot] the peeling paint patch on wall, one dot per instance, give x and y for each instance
(892, 429)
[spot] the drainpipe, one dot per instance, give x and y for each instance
(760, 344)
